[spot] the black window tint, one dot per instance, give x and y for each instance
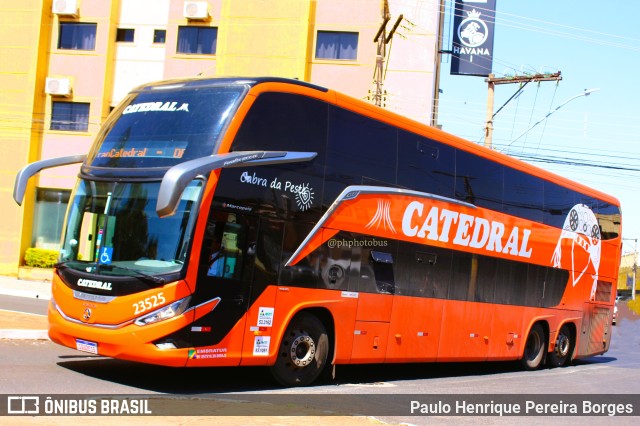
(523, 195)
(306, 272)
(280, 122)
(422, 271)
(485, 274)
(558, 202)
(460, 276)
(525, 282)
(554, 286)
(284, 122)
(425, 165)
(268, 251)
(377, 258)
(609, 220)
(360, 151)
(335, 266)
(382, 265)
(507, 289)
(479, 181)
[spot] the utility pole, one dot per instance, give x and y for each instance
(382, 39)
(520, 79)
(436, 82)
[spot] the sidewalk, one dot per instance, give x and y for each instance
(18, 325)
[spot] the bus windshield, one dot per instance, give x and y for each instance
(165, 126)
(113, 229)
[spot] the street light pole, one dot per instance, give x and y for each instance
(586, 92)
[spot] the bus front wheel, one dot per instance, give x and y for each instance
(303, 352)
(534, 348)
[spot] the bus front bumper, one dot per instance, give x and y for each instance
(129, 342)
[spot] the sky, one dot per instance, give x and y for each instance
(595, 45)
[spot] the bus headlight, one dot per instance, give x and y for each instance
(169, 311)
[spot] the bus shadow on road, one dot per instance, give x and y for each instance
(174, 380)
(189, 381)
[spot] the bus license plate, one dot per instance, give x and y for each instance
(86, 346)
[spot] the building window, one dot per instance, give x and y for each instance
(48, 219)
(337, 45)
(125, 35)
(159, 36)
(197, 40)
(73, 116)
(77, 36)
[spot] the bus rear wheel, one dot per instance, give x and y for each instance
(303, 352)
(534, 348)
(563, 347)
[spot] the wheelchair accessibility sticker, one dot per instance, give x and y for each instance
(105, 255)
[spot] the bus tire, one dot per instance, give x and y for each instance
(561, 353)
(534, 348)
(302, 353)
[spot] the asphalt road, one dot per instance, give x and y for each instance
(41, 367)
(29, 305)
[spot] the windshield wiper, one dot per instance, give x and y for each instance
(138, 274)
(61, 265)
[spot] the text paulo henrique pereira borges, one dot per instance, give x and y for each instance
(527, 407)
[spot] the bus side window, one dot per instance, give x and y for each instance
(382, 264)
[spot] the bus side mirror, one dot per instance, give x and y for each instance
(178, 177)
(22, 178)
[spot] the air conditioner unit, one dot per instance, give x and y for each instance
(57, 86)
(196, 10)
(65, 7)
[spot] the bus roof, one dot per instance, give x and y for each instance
(207, 81)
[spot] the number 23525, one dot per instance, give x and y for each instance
(149, 303)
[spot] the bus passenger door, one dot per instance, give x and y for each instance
(225, 272)
(375, 287)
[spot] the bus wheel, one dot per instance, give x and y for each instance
(303, 352)
(562, 351)
(534, 348)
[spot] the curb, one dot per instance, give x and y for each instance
(24, 334)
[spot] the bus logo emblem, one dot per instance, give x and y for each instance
(582, 230)
(304, 197)
(382, 217)
(87, 314)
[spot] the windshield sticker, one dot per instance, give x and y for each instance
(303, 192)
(106, 253)
(156, 106)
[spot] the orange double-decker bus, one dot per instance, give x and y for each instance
(271, 222)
